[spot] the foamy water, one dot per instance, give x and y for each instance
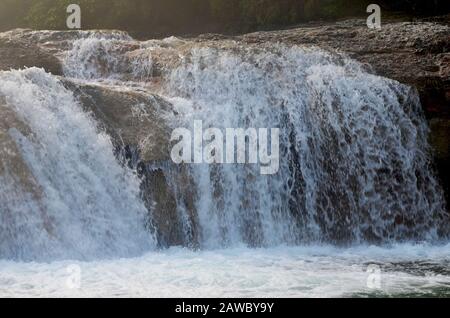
(315, 271)
(90, 205)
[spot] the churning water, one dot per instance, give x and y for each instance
(312, 271)
(355, 169)
(89, 206)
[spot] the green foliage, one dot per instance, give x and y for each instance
(162, 17)
(12, 13)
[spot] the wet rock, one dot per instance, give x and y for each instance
(16, 53)
(131, 118)
(166, 194)
(440, 142)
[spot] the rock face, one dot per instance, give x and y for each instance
(132, 119)
(167, 189)
(17, 53)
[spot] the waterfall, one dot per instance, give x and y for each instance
(89, 205)
(354, 153)
(355, 163)
(96, 56)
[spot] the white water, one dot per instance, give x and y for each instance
(314, 271)
(90, 206)
(96, 56)
(353, 147)
(355, 168)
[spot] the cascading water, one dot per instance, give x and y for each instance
(96, 56)
(354, 154)
(354, 161)
(90, 206)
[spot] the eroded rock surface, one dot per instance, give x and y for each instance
(132, 119)
(18, 53)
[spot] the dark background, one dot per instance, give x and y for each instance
(183, 17)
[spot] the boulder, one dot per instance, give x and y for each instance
(131, 118)
(16, 53)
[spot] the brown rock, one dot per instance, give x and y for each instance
(132, 119)
(440, 142)
(18, 54)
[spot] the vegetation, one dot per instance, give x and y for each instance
(162, 17)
